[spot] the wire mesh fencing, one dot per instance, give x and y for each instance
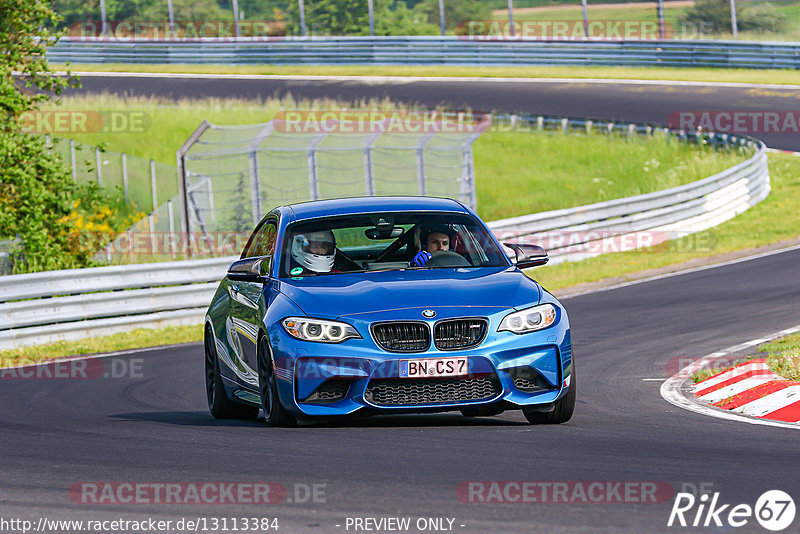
(233, 175)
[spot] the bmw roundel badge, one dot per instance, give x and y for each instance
(429, 314)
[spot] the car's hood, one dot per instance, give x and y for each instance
(336, 295)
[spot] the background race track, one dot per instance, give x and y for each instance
(634, 101)
(154, 426)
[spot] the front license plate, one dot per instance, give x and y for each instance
(433, 367)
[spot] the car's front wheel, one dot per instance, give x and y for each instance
(220, 406)
(562, 409)
(274, 412)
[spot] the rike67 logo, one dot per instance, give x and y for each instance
(774, 510)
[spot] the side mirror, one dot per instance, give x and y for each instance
(250, 269)
(528, 255)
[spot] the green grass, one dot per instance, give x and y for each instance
(528, 172)
(574, 12)
(672, 16)
(517, 172)
(772, 221)
(782, 355)
(135, 339)
(778, 76)
(704, 374)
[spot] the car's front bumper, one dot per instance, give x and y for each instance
(508, 370)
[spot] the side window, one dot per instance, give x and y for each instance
(262, 243)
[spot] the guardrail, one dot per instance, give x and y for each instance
(643, 220)
(65, 305)
(72, 304)
(424, 50)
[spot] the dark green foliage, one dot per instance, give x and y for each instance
(348, 17)
(456, 13)
(61, 224)
(714, 16)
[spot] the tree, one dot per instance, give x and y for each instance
(351, 17)
(714, 16)
(39, 202)
(457, 13)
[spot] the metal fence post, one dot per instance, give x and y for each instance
(464, 193)
(441, 16)
(153, 190)
(369, 175)
(585, 18)
(72, 160)
(236, 18)
(152, 225)
(47, 144)
(211, 200)
(255, 188)
(183, 195)
(302, 7)
(171, 227)
(511, 17)
(371, 9)
(171, 19)
(313, 183)
(98, 162)
(180, 157)
(125, 175)
(422, 179)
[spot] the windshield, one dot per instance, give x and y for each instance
(387, 241)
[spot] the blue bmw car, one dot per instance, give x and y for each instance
(384, 305)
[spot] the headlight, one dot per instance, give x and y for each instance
(319, 330)
(524, 321)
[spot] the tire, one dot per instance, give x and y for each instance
(220, 406)
(562, 409)
(274, 412)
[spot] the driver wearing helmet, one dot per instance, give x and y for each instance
(313, 251)
(433, 238)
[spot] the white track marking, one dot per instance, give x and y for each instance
(739, 387)
(770, 403)
(671, 389)
(727, 375)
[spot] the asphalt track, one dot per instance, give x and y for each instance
(621, 101)
(152, 425)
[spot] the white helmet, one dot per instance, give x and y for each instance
(315, 250)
